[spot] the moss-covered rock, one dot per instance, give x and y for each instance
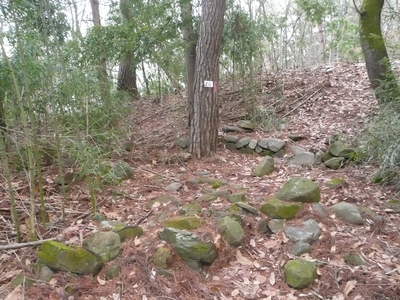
(123, 230)
(162, 258)
(71, 259)
(339, 149)
(185, 222)
(113, 271)
(335, 163)
(277, 209)
(191, 209)
(299, 189)
(300, 273)
(190, 247)
(122, 170)
(231, 231)
(265, 167)
(353, 259)
(334, 183)
(237, 197)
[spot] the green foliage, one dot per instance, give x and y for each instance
(317, 10)
(382, 141)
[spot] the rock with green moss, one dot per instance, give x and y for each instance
(339, 149)
(246, 125)
(335, 183)
(162, 258)
(353, 259)
(190, 247)
(335, 163)
(191, 209)
(230, 230)
(300, 273)
(68, 258)
(113, 272)
(105, 244)
(185, 222)
(214, 195)
(122, 170)
(237, 197)
(326, 156)
(278, 209)
(164, 199)
(393, 204)
(235, 209)
(299, 189)
(264, 167)
(123, 230)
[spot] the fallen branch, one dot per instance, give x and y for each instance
(143, 218)
(302, 103)
(23, 245)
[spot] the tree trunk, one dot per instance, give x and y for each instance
(374, 49)
(190, 52)
(204, 124)
(127, 79)
(127, 75)
(102, 70)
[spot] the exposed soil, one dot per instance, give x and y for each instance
(314, 104)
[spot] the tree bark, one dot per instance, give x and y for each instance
(102, 70)
(127, 79)
(190, 52)
(204, 124)
(374, 49)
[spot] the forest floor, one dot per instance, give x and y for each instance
(314, 103)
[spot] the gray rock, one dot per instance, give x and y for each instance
(262, 227)
(113, 272)
(183, 142)
(243, 142)
(162, 258)
(246, 124)
(191, 209)
(124, 231)
(297, 150)
(308, 233)
(348, 212)
(105, 244)
(231, 139)
(247, 207)
(299, 189)
(252, 144)
(173, 187)
(319, 208)
(231, 231)
(128, 145)
(300, 273)
(264, 167)
(45, 273)
(303, 159)
(335, 163)
(228, 128)
(300, 247)
(258, 149)
(231, 146)
(272, 144)
(276, 224)
(278, 209)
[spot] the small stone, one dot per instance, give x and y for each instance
(246, 124)
(300, 248)
(173, 187)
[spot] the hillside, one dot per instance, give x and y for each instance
(313, 105)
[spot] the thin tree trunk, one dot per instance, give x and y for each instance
(204, 125)
(102, 71)
(190, 52)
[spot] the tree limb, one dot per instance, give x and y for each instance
(23, 245)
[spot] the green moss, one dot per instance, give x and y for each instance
(216, 184)
(370, 25)
(334, 183)
(185, 222)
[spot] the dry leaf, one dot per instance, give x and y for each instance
(16, 294)
(272, 280)
(101, 281)
(350, 285)
(243, 260)
(235, 292)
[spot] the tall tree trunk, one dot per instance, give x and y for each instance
(374, 49)
(127, 79)
(204, 124)
(102, 70)
(190, 52)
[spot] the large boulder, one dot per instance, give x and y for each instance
(300, 273)
(190, 247)
(231, 230)
(68, 258)
(278, 209)
(299, 189)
